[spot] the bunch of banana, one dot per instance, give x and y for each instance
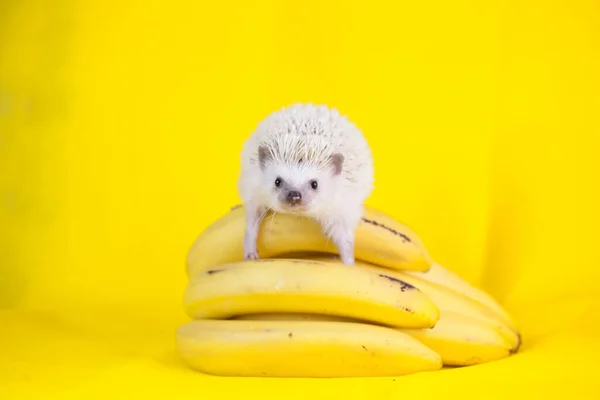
(299, 312)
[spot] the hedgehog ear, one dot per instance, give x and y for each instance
(337, 160)
(264, 155)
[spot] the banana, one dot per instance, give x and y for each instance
(308, 286)
(446, 299)
(460, 340)
(301, 349)
(442, 276)
(379, 239)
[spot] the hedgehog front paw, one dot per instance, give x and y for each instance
(252, 255)
(348, 259)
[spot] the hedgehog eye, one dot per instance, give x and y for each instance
(314, 185)
(278, 182)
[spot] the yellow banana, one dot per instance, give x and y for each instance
(308, 286)
(379, 239)
(301, 349)
(442, 276)
(460, 340)
(445, 298)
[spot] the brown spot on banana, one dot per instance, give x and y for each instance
(213, 271)
(404, 237)
(404, 286)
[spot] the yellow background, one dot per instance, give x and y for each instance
(121, 124)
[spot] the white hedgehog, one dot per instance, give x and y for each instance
(307, 160)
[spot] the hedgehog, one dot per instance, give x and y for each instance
(306, 160)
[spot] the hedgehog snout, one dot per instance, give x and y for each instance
(294, 197)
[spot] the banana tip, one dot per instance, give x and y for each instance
(515, 349)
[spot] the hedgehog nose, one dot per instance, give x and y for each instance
(294, 196)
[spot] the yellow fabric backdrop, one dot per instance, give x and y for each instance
(121, 124)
